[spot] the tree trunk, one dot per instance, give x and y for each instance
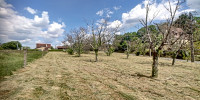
(127, 52)
(96, 55)
(109, 50)
(144, 49)
(174, 57)
(127, 55)
(173, 61)
(155, 64)
(150, 51)
(192, 47)
(79, 52)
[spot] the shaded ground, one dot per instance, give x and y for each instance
(60, 76)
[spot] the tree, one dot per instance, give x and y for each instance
(102, 33)
(12, 45)
(187, 23)
(147, 39)
(163, 35)
(109, 35)
(180, 44)
(97, 32)
(76, 39)
(146, 23)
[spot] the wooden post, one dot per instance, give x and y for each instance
(25, 57)
(42, 53)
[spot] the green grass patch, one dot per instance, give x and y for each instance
(126, 96)
(11, 60)
(39, 91)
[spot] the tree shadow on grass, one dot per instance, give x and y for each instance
(139, 75)
(91, 60)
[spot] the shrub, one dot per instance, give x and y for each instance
(137, 53)
(109, 51)
(1, 48)
(70, 51)
(197, 57)
(56, 50)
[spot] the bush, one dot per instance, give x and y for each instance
(33, 50)
(197, 57)
(183, 54)
(137, 53)
(70, 51)
(109, 51)
(1, 48)
(56, 50)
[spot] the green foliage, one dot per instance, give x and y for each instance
(11, 45)
(142, 31)
(197, 48)
(32, 55)
(56, 50)
(26, 47)
(121, 45)
(52, 48)
(109, 51)
(137, 53)
(70, 51)
(1, 48)
(186, 22)
(197, 57)
(33, 50)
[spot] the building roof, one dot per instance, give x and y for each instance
(39, 45)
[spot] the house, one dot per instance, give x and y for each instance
(175, 33)
(62, 47)
(43, 46)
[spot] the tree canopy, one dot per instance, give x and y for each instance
(11, 45)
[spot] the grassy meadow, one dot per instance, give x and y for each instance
(11, 60)
(59, 76)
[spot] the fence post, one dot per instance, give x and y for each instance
(25, 57)
(42, 53)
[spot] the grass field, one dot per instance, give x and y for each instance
(59, 76)
(11, 60)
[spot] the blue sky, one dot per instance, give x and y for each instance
(46, 21)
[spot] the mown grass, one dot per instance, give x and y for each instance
(11, 60)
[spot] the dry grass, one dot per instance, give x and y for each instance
(59, 76)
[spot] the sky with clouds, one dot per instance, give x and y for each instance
(47, 21)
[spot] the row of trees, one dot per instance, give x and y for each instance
(173, 34)
(97, 36)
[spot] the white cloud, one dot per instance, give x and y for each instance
(55, 30)
(132, 17)
(109, 13)
(100, 13)
(115, 24)
(41, 21)
(30, 10)
(15, 27)
(117, 7)
(24, 41)
(105, 12)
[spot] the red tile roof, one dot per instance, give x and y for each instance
(39, 45)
